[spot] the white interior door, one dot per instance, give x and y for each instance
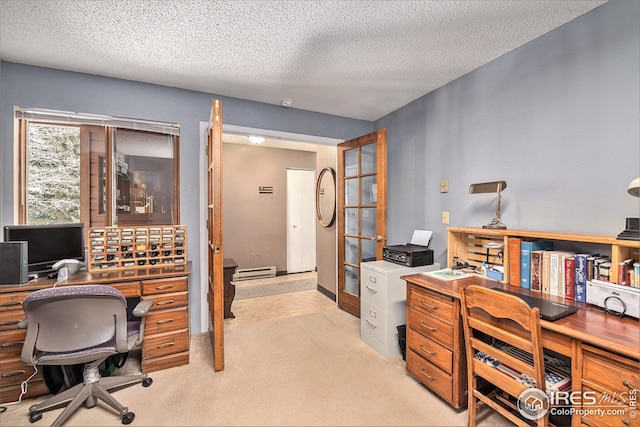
(301, 220)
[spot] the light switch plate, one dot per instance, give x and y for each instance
(444, 185)
(445, 217)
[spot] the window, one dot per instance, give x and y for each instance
(97, 170)
(53, 174)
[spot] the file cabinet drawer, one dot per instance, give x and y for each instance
(164, 344)
(164, 286)
(432, 303)
(432, 327)
(373, 287)
(430, 375)
(167, 301)
(165, 321)
(430, 350)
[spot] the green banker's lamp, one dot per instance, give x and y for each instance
(491, 187)
(632, 229)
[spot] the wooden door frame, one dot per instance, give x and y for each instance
(380, 137)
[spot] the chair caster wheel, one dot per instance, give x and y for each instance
(35, 416)
(147, 382)
(128, 418)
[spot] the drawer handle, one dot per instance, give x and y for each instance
(10, 303)
(10, 322)
(165, 302)
(432, 307)
(13, 374)
(373, 325)
(431, 328)
(167, 344)
(372, 290)
(626, 422)
(12, 344)
(163, 321)
(425, 374)
(163, 287)
(432, 353)
(628, 384)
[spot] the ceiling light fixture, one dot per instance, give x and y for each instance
(287, 103)
(256, 139)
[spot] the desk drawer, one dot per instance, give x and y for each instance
(614, 413)
(35, 389)
(164, 344)
(9, 319)
(430, 350)
(432, 303)
(13, 372)
(432, 327)
(166, 320)
(12, 301)
(11, 343)
(167, 301)
(128, 289)
(163, 286)
(430, 375)
(612, 373)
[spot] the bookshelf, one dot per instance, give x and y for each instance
(468, 244)
(117, 248)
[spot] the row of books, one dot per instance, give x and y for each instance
(537, 266)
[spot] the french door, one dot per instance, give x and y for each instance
(214, 235)
(362, 203)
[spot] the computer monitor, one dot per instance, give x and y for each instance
(48, 244)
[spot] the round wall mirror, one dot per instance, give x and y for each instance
(326, 197)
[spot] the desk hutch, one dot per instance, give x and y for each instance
(604, 349)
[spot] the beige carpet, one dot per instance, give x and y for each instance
(305, 369)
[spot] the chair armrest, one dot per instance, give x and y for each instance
(142, 308)
(23, 324)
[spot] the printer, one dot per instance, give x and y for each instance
(413, 254)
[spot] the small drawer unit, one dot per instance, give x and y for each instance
(166, 338)
(382, 303)
(435, 345)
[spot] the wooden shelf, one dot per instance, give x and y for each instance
(467, 244)
(115, 248)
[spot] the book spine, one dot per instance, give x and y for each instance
(554, 265)
(536, 271)
(569, 268)
(546, 274)
(525, 265)
(514, 260)
(580, 278)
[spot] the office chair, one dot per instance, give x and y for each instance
(505, 357)
(85, 324)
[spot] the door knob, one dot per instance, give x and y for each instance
(378, 238)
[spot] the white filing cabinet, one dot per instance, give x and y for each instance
(383, 297)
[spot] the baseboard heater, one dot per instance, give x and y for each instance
(254, 273)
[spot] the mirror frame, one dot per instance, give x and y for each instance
(326, 222)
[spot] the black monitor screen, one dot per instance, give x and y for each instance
(48, 244)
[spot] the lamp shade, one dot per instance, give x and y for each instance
(634, 187)
(487, 187)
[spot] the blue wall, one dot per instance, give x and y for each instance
(61, 90)
(557, 118)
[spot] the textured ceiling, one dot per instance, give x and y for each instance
(360, 59)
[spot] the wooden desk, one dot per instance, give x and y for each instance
(166, 335)
(599, 345)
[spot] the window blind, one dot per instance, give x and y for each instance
(71, 118)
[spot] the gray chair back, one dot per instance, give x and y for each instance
(73, 318)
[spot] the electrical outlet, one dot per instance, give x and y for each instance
(444, 185)
(445, 217)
